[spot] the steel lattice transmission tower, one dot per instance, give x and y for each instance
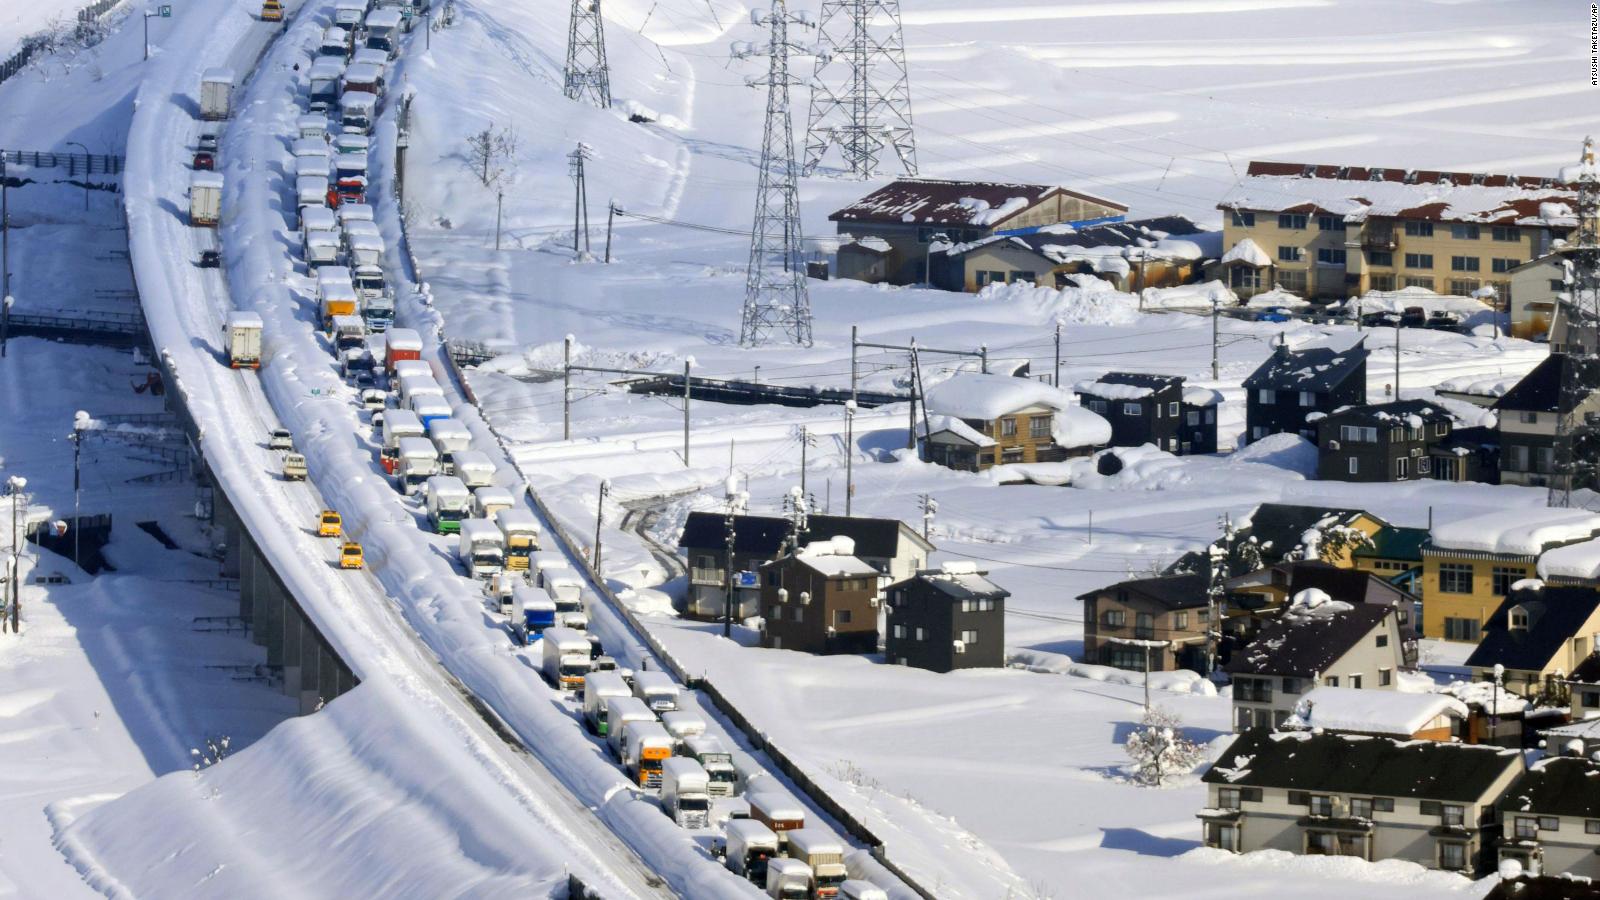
(776, 300)
(860, 93)
(1577, 431)
(587, 75)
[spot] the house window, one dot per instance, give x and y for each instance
(1114, 618)
(1331, 681)
(1192, 418)
(969, 637)
(1360, 808)
(1132, 409)
(1267, 395)
(1453, 815)
(1419, 260)
(1172, 408)
(1329, 256)
(1244, 219)
(1019, 275)
(1549, 823)
(1544, 459)
(1384, 282)
(1463, 264)
(1355, 682)
(1228, 798)
(1419, 229)
(1291, 685)
(1464, 287)
(1385, 677)
(898, 631)
(1419, 281)
(1098, 406)
(1464, 232)
(1383, 258)
(991, 278)
(773, 580)
(1589, 699)
(1503, 266)
(1180, 620)
(1527, 417)
(1008, 427)
(1452, 855)
(922, 633)
(1401, 467)
(1383, 640)
(1144, 626)
(1519, 617)
(1457, 629)
(1308, 398)
(1294, 221)
(799, 614)
(1504, 577)
(1526, 828)
(1321, 805)
(1591, 826)
(1288, 254)
(1222, 836)
(841, 617)
(1039, 427)
(1506, 233)
(1455, 578)
(1355, 466)
(1330, 223)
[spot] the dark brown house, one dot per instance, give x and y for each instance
(948, 618)
(823, 599)
(1171, 608)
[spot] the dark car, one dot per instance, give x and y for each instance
(1380, 320)
(210, 259)
(205, 160)
(1443, 321)
(1414, 317)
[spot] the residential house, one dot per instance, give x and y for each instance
(1171, 608)
(1551, 818)
(1279, 531)
(976, 421)
(1536, 287)
(891, 546)
(1537, 634)
(1380, 442)
(1142, 409)
(1401, 715)
(907, 216)
(1470, 564)
(1584, 682)
(1130, 256)
(1530, 414)
(1393, 553)
(1326, 231)
(1543, 887)
(1427, 802)
(1315, 641)
(1295, 384)
(820, 599)
(948, 618)
(1466, 455)
(1198, 433)
(1270, 588)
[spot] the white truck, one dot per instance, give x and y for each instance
(216, 94)
(788, 879)
(398, 424)
(566, 592)
(856, 889)
(357, 110)
(363, 77)
(416, 463)
(434, 409)
(682, 724)
(749, 847)
(348, 14)
(312, 126)
(364, 250)
(354, 212)
(598, 688)
(480, 550)
(321, 249)
(244, 339)
(413, 384)
(377, 305)
(311, 148)
(709, 751)
(311, 190)
(685, 795)
(657, 690)
(486, 504)
(449, 437)
(545, 563)
(326, 71)
(383, 29)
(335, 44)
(311, 165)
(566, 654)
(823, 855)
(205, 199)
(619, 712)
(407, 368)
(449, 501)
(778, 811)
(475, 468)
(318, 220)
(349, 333)
(521, 528)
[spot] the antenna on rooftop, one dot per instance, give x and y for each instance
(1577, 444)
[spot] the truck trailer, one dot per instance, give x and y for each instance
(435, 409)
(823, 854)
(749, 847)
(566, 591)
(487, 503)
(449, 501)
(349, 333)
(397, 425)
(205, 199)
(481, 551)
(450, 437)
(566, 654)
(402, 344)
(416, 462)
(657, 690)
(709, 751)
(777, 811)
(620, 711)
(336, 296)
(244, 339)
(216, 94)
(475, 468)
(598, 688)
(685, 795)
(538, 613)
(521, 528)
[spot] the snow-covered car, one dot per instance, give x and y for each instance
(210, 259)
(280, 439)
(374, 398)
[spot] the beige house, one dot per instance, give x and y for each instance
(1535, 285)
(1551, 818)
(1313, 643)
(1426, 802)
(1334, 232)
(1538, 634)
(975, 421)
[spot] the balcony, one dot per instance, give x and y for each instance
(1381, 241)
(698, 575)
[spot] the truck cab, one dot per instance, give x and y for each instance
(398, 424)
(271, 11)
(521, 528)
(566, 592)
(545, 564)
(450, 437)
(857, 889)
(620, 711)
(431, 409)
(417, 462)
(480, 549)
(350, 556)
(709, 751)
(329, 524)
(326, 70)
(749, 847)
(566, 657)
(823, 855)
(475, 468)
(448, 503)
(294, 467)
(487, 503)
(538, 613)
(682, 724)
(788, 879)
(646, 746)
(684, 794)
(244, 340)
(349, 333)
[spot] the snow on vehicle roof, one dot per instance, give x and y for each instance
(355, 212)
(533, 598)
(1249, 252)
(311, 120)
(604, 684)
(775, 805)
(206, 180)
(314, 185)
(679, 719)
(701, 744)
(645, 732)
(360, 226)
(404, 339)
(550, 559)
(328, 66)
(441, 485)
(1357, 193)
(515, 517)
(619, 707)
(563, 578)
(358, 99)
(814, 841)
(217, 76)
(654, 681)
(970, 395)
(678, 766)
(475, 459)
(311, 165)
(416, 446)
(1522, 532)
(483, 529)
(317, 218)
(395, 419)
(343, 322)
(448, 428)
(336, 290)
(1395, 713)
(322, 238)
(751, 832)
(309, 146)
(365, 241)
(387, 17)
(244, 318)
(333, 275)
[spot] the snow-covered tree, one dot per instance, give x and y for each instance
(1159, 750)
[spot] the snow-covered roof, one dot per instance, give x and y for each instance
(956, 426)
(1477, 385)
(1248, 252)
(932, 201)
(217, 76)
(386, 17)
(244, 318)
(1112, 391)
(363, 73)
(834, 557)
(1522, 532)
(1357, 193)
(1482, 695)
(971, 395)
(1079, 427)
(1574, 561)
(1372, 711)
(1199, 396)
(403, 339)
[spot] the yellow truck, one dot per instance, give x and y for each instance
(330, 524)
(350, 556)
(271, 11)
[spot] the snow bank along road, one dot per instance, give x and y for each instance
(300, 381)
(529, 826)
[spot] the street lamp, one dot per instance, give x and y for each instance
(1494, 702)
(85, 173)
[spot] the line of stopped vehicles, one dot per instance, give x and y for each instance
(746, 817)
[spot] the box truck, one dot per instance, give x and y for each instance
(566, 652)
(566, 591)
(598, 688)
(684, 794)
(788, 879)
(823, 854)
(486, 504)
(449, 501)
(434, 409)
(475, 468)
(353, 212)
(324, 79)
(312, 126)
(401, 344)
(480, 549)
(645, 746)
(682, 724)
(749, 847)
(709, 751)
(348, 13)
(205, 199)
(415, 463)
(620, 711)
(777, 811)
(856, 889)
(538, 613)
(657, 690)
(398, 424)
(521, 528)
(349, 333)
(336, 296)
(544, 563)
(363, 77)
(449, 438)
(244, 339)
(216, 94)
(414, 382)
(311, 190)
(356, 111)
(383, 29)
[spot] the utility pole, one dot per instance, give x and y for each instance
(580, 198)
(853, 346)
(163, 11)
(566, 389)
(587, 76)
(1056, 379)
(499, 207)
(805, 442)
(5, 255)
(929, 508)
(17, 483)
(727, 569)
(860, 91)
(600, 517)
(1216, 313)
(687, 364)
(611, 217)
(776, 299)
(849, 454)
(1397, 359)
(79, 422)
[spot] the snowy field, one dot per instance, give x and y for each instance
(1149, 103)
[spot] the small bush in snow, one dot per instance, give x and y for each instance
(1159, 750)
(216, 751)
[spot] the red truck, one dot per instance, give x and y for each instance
(402, 343)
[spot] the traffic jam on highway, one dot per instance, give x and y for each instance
(741, 813)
